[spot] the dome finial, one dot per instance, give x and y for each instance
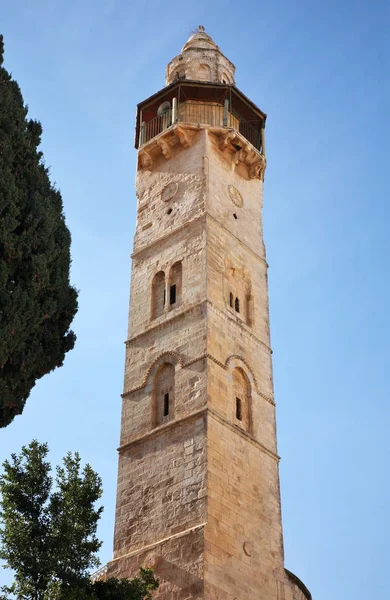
(201, 28)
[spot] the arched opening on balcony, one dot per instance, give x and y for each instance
(200, 101)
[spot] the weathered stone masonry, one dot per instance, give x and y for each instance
(198, 485)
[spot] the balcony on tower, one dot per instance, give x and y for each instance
(176, 112)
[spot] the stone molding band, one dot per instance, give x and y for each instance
(183, 365)
(162, 541)
(168, 318)
(166, 236)
(210, 216)
(186, 132)
(155, 432)
(203, 412)
(243, 433)
(228, 317)
(205, 215)
(229, 138)
(190, 308)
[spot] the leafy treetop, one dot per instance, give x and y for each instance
(48, 534)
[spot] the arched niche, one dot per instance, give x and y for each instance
(163, 394)
(242, 399)
(203, 72)
(158, 295)
(238, 292)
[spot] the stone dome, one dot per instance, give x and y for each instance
(200, 60)
(200, 39)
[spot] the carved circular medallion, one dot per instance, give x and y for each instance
(169, 191)
(248, 548)
(235, 196)
(152, 561)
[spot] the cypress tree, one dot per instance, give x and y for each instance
(37, 302)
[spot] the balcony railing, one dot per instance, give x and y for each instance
(154, 127)
(250, 133)
(201, 114)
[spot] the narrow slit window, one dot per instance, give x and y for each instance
(231, 300)
(172, 294)
(165, 296)
(237, 305)
(238, 409)
(166, 405)
(158, 295)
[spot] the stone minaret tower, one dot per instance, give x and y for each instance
(198, 486)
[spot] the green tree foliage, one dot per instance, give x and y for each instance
(24, 512)
(126, 589)
(139, 588)
(48, 534)
(37, 303)
(74, 521)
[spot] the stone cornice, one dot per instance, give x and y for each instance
(184, 364)
(139, 251)
(177, 314)
(185, 224)
(166, 236)
(148, 547)
(192, 417)
(213, 413)
(243, 360)
(204, 214)
(185, 133)
(221, 314)
(245, 327)
(230, 140)
(166, 318)
(158, 430)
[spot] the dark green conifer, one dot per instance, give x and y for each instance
(37, 302)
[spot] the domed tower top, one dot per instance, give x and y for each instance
(200, 39)
(200, 60)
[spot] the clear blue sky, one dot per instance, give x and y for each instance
(320, 70)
